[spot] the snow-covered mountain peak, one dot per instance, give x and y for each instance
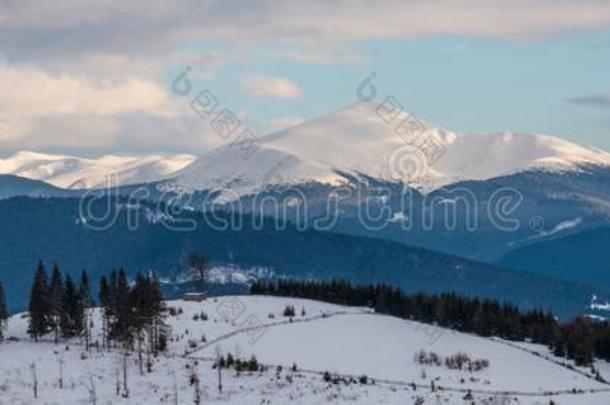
(363, 139)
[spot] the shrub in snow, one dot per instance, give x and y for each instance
(458, 361)
(428, 358)
(289, 311)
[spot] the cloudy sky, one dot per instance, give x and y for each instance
(91, 78)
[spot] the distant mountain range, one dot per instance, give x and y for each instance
(526, 202)
(358, 141)
(72, 172)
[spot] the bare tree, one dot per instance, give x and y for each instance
(92, 394)
(117, 386)
(195, 383)
(198, 269)
(34, 380)
(125, 386)
(175, 387)
(219, 374)
(60, 361)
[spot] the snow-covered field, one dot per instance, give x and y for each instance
(346, 342)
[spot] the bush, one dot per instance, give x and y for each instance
(162, 342)
(289, 311)
(459, 361)
(252, 364)
(428, 358)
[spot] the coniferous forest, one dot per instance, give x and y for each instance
(132, 312)
(580, 340)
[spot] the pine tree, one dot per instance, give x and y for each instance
(139, 303)
(104, 298)
(56, 294)
(71, 319)
(84, 292)
(3, 313)
(157, 326)
(39, 322)
(122, 308)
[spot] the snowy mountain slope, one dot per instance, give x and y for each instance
(74, 172)
(382, 349)
(357, 140)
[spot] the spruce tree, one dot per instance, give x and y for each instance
(122, 308)
(84, 292)
(71, 320)
(158, 326)
(39, 322)
(139, 304)
(104, 299)
(56, 294)
(3, 313)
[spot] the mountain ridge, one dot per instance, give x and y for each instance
(358, 140)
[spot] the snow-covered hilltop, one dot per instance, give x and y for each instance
(361, 140)
(75, 172)
(319, 356)
(357, 140)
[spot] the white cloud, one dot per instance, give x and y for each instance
(39, 110)
(72, 71)
(27, 92)
(148, 26)
(270, 86)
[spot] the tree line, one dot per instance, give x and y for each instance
(132, 313)
(581, 339)
(59, 305)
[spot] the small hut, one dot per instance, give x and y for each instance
(195, 296)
